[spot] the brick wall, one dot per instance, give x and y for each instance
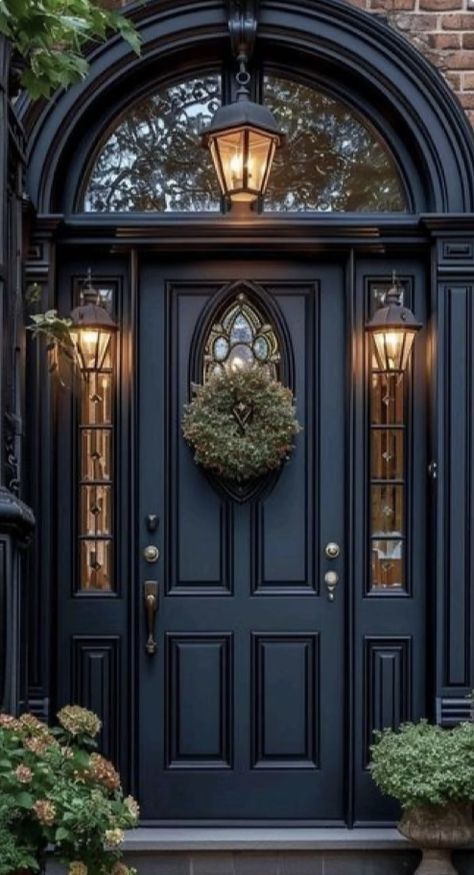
(442, 30)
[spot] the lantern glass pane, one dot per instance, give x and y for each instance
(230, 149)
(260, 150)
(389, 349)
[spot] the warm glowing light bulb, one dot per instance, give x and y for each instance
(235, 166)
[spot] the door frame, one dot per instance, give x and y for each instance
(322, 247)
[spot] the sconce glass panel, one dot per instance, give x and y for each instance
(387, 466)
(96, 411)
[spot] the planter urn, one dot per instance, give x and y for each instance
(437, 830)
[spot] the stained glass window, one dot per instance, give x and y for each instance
(153, 160)
(388, 487)
(241, 338)
(96, 469)
(333, 161)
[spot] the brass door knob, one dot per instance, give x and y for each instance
(332, 550)
(151, 554)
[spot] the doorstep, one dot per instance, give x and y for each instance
(262, 839)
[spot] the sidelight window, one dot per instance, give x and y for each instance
(388, 468)
(96, 468)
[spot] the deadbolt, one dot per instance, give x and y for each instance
(151, 554)
(332, 550)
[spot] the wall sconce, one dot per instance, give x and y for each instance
(92, 330)
(393, 328)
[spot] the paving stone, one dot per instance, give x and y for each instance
(160, 864)
(369, 863)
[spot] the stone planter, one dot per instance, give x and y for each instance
(437, 830)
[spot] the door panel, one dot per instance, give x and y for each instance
(241, 713)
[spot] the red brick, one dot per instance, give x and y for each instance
(463, 60)
(467, 81)
(440, 5)
(445, 41)
(467, 40)
(467, 99)
(470, 116)
(458, 21)
(454, 80)
(389, 5)
(413, 23)
(362, 4)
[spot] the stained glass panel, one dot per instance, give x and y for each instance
(241, 339)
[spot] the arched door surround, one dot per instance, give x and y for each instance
(328, 42)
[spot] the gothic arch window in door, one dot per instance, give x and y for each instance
(241, 338)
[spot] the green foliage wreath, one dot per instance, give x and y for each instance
(241, 425)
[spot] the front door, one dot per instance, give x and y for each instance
(242, 704)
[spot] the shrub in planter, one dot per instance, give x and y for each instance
(57, 791)
(430, 771)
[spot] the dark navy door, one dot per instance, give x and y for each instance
(241, 707)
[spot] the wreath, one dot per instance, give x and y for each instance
(241, 425)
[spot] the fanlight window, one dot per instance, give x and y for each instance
(241, 339)
(332, 161)
(153, 160)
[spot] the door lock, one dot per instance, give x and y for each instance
(151, 554)
(332, 550)
(331, 579)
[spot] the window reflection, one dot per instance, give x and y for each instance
(332, 162)
(153, 159)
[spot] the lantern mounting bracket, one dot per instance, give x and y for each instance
(242, 16)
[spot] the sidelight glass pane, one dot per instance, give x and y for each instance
(387, 510)
(387, 454)
(96, 565)
(96, 454)
(333, 161)
(387, 401)
(387, 564)
(96, 510)
(97, 399)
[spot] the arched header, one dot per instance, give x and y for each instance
(328, 43)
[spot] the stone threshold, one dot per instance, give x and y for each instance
(162, 839)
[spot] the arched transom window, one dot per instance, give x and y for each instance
(333, 160)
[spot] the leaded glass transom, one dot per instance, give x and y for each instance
(241, 339)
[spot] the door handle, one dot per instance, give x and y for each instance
(331, 579)
(150, 592)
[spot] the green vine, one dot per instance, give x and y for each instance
(241, 425)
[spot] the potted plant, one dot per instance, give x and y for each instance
(58, 794)
(430, 771)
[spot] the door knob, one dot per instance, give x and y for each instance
(151, 554)
(331, 579)
(332, 550)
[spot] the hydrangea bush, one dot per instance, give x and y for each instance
(56, 790)
(420, 764)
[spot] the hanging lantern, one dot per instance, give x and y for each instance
(92, 331)
(243, 138)
(393, 328)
